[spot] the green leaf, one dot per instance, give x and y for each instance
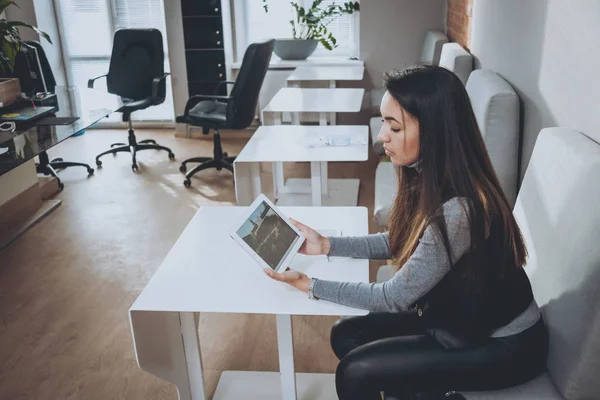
(312, 23)
(23, 24)
(10, 49)
(4, 4)
(325, 43)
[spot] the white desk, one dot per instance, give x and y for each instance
(330, 74)
(322, 101)
(206, 271)
(289, 143)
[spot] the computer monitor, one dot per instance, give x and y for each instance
(28, 69)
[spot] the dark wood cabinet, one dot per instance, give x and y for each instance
(201, 7)
(205, 65)
(204, 87)
(204, 48)
(202, 33)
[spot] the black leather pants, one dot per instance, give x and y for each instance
(394, 353)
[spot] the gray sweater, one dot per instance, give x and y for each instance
(423, 270)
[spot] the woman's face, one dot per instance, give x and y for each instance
(399, 133)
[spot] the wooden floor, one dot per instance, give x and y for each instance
(67, 284)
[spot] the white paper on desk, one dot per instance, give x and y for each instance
(326, 141)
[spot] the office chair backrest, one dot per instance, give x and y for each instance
(558, 212)
(496, 107)
(248, 83)
(432, 47)
(137, 58)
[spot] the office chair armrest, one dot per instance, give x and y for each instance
(91, 81)
(192, 101)
(222, 83)
(156, 82)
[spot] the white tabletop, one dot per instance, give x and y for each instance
(333, 73)
(273, 143)
(316, 100)
(206, 271)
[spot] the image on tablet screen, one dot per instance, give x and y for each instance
(268, 235)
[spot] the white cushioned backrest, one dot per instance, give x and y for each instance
(457, 60)
(558, 211)
(496, 107)
(432, 47)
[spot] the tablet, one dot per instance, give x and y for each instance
(267, 235)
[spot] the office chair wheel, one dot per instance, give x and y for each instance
(57, 160)
(90, 171)
(61, 185)
(182, 169)
(225, 155)
(99, 163)
(171, 156)
(134, 167)
(187, 183)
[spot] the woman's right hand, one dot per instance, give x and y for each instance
(314, 244)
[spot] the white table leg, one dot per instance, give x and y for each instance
(315, 182)
(323, 118)
(161, 350)
(193, 357)
(324, 177)
(332, 116)
(256, 181)
(278, 179)
(285, 341)
(295, 118)
(247, 182)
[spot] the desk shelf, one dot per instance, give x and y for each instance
(250, 385)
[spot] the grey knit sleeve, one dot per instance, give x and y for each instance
(423, 270)
(374, 247)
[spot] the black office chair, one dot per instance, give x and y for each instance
(136, 73)
(26, 63)
(235, 111)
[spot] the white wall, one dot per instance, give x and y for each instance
(549, 51)
(24, 13)
(392, 33)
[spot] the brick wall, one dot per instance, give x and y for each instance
(459, 22)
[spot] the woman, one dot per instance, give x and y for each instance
(459, 314)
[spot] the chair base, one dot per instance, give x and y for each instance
(133, 147)
(220, 161)
(47, 167)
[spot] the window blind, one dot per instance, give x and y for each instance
(259, 25)
(87, 29)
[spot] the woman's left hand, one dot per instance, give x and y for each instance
(294, 278)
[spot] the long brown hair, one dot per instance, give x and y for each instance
(453, 162)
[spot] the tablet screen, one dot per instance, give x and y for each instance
(268, 235)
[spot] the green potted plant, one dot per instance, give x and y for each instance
(12, 44)
(309, 28)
